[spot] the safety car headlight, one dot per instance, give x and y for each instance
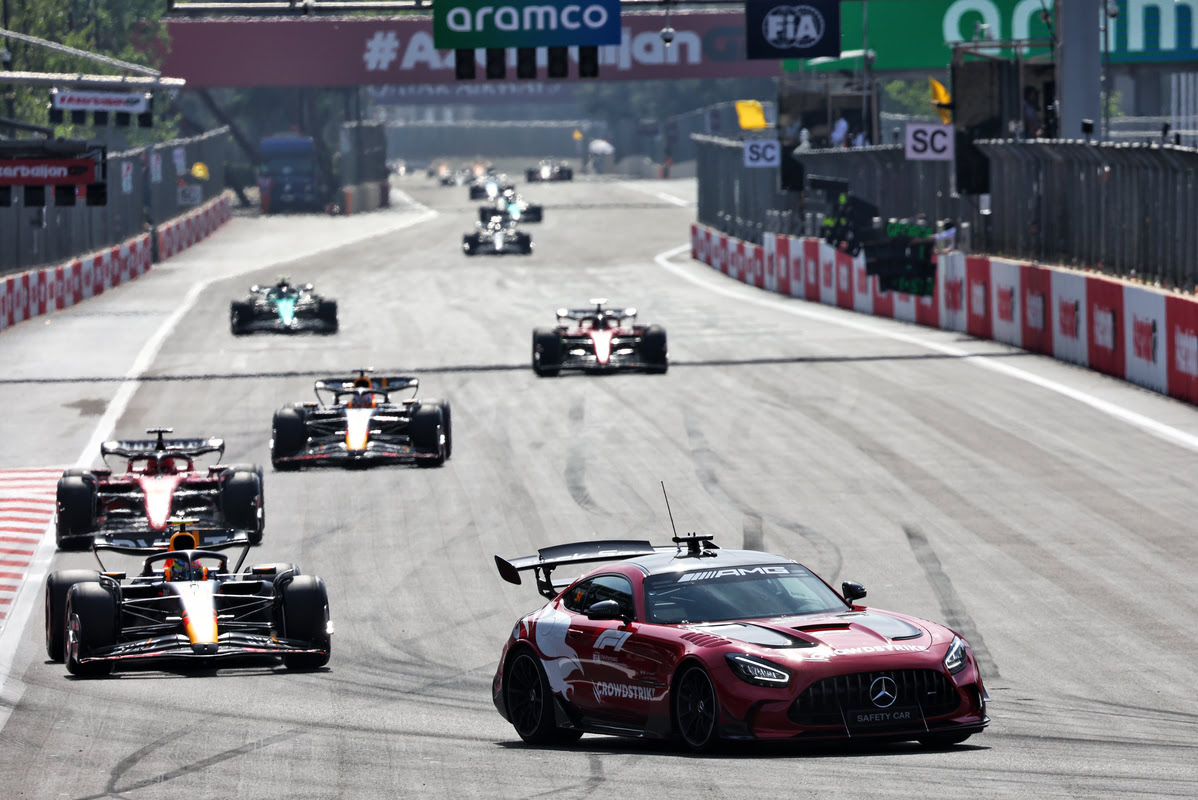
(757, 671)
(954, 660)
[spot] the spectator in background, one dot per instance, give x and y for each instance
(840, 131)
(1031, 113)
(860, 139)
(804, 140)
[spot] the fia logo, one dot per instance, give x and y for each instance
(786, 27)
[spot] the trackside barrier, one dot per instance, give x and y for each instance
(43, 291)
(1137, 333)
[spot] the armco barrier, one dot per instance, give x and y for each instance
(1140, 334)
(42, 291)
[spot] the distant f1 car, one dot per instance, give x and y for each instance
(159, 483)
(599, 339)
(490, 187)
(497, 236)
(511, 206)
(185, 604)
(704, 644)
(357, 421)
(283, 307)
(549, 170)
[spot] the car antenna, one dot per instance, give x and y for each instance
(696, 546)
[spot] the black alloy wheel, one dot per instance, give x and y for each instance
(696, 710)
(529, 705)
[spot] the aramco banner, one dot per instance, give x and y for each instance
(364, 51)
(525, 23)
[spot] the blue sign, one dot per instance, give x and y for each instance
(467, 24)
(803, 29)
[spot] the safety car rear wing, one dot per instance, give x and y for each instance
(128, 448)
(549, 558)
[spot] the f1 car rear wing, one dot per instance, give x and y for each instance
(205, 539)
(128, 448)
(391, 383)
(549, 558)
(596, 310)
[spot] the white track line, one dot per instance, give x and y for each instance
(29, 596)
(877, 327)
(669, 198)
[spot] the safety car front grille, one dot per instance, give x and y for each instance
(828, 701)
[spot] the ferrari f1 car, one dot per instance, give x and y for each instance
(549, 170)
(158, 482)
(599, 339)
(706, 645)
(283, 307)
(488, 187)
(360, 421)
(497, 236)
(187, 603)
(510, 205)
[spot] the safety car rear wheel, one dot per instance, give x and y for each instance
(306, 619)
(546, 352)
(696, 709)
(58, 583)
(91, 616)
(75, 521)
(530, 704)
(290, 435)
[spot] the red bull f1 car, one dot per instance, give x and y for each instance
(703, 645)
(599, 339)
(158, 482)
(283, 307)
(549, 170)
(361, 421)
(185, 603)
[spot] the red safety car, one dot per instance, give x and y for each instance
(705, 644)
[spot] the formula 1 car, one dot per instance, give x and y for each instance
(497, 236)
(510, 205)
(357, 421)
(549, 170)
(490, 187)
(705, 645)
(159, 482)
(185, 604)
(284, 307)
(599, 339)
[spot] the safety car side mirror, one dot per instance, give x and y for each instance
(605, 609)
(852, 590)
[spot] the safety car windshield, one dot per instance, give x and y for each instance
(720, 594)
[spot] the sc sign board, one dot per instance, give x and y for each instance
(799, 29)
(929, 142)
(469, 24)
(763, 153)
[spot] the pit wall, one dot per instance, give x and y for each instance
(48, 289)
(1137, 333)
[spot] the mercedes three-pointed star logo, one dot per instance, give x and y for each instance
(883, 692)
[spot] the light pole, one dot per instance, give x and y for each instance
(6, 64)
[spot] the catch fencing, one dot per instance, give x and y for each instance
(146, 187)
(1126, 210)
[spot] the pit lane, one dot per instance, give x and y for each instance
(1059, 537)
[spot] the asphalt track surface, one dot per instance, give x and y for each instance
(1045, 512)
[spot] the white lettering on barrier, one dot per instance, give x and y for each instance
(1185, 348)
(1104, 328)
(535, 18)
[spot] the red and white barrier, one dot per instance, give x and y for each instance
(1137, 333)
(45, 290)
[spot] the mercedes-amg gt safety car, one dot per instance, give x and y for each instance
(599, 339)
(497, 236)
(283, 307)
(360, 421)
(705, 645)
(186, 603)
(510, 205)
(489, 187)
(158, 482)
(549, 170)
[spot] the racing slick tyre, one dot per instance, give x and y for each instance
(696, 709)
(546, 352)
(534, 214)
(290, 435)
(58, 583)
(469, 245)
(240, 315)
(91, 615)
(306, 619)
(529, 702)
(327, 313)
(241, 502)
(76, 504)
(567, 173)
(446, 423)
(531, 175)
(942, 740)
(524, 245)
(654, 352)
(426, 428)
(485, 213)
